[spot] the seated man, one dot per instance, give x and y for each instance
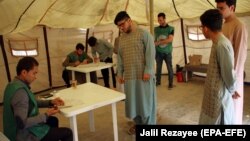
(21, 118)
(76, 58)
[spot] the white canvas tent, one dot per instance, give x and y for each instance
(55, 27)
(22, 15)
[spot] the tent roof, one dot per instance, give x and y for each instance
(21, 15)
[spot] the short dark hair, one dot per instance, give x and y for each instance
(228, 2)
(80, 46)
(26, 63)
(120, 16)
(92, 41)
(161, 15)
(212, 19)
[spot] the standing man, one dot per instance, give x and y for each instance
(135, 67)
(21, 118)
(236, 32)
(105, 51)
(164, 35)
(79, 57)
(217, 105)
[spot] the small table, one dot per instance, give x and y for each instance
(194, 68)
(87, 97)
(87, 68)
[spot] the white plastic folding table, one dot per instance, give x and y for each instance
(87, 97)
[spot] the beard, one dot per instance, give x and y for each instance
(129, 29)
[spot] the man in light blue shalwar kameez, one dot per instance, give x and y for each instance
(217, 105)
(135, 68)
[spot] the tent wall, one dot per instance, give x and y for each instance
(4, 79)
(178, 52)
(42, 78)
(197, 47)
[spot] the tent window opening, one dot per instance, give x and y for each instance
(194, 33)
(21, 48)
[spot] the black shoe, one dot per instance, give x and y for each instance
(170, 86)
(157, 83)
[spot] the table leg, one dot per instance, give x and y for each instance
(91, 113)
(91, 121)
(110, 77)
(73, 126)
(114, 115)
(88, 77)
(186, 76)
(73, 75)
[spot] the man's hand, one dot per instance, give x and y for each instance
(120, 80)
(52, 111)
(96, 60)
(157, 43)
(146, 77)
(77, 63)
(236, 95)
(85, 61)
(57, 102)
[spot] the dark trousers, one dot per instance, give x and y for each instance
(105, 74)
(168, 60)
(65, 76)
(57, 133)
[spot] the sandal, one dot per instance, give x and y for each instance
(131, 130)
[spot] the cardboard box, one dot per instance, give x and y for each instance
(195, 59)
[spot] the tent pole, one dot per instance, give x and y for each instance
(151, 14)
(5, 58)
(47, 55)
(86, 41)
(183, 41)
